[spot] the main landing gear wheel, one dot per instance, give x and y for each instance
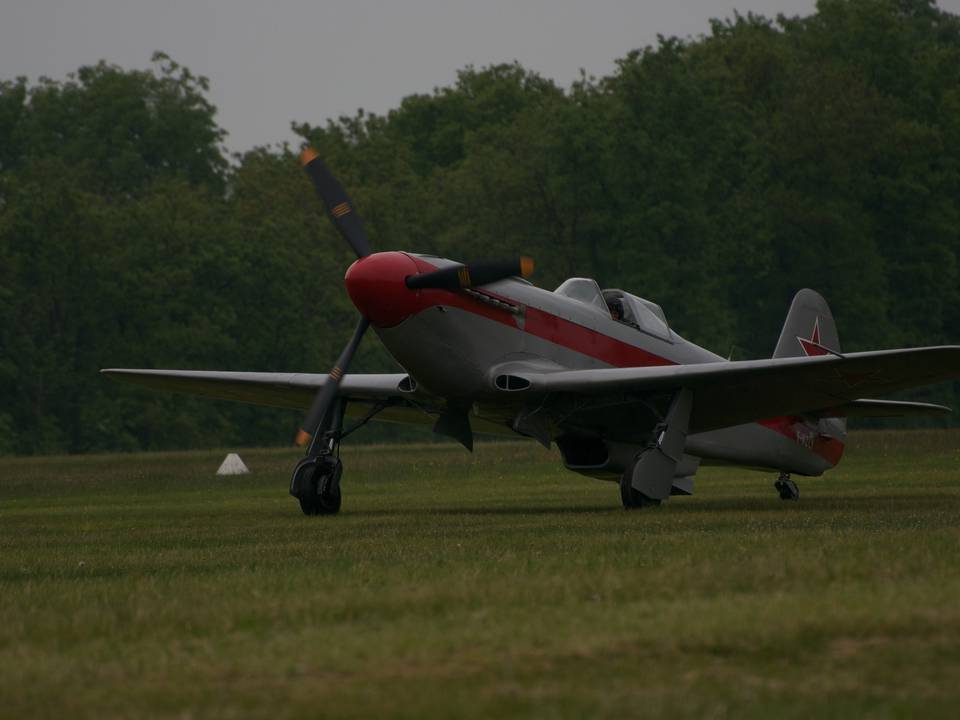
(316, 484)
(632, 498)
(787, 488)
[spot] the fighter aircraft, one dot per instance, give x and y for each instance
(598, 372)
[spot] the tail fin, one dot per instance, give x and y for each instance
(809, 328)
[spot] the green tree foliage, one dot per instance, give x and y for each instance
(716, 175)
(112, 247)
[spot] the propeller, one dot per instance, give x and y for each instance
(459, 277)
(337, 202)
(348, 224)
(323, 400)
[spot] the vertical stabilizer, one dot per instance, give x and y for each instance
(809, 328)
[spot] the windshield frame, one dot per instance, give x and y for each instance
(591, 296)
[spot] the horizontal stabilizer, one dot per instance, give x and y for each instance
(884, 408)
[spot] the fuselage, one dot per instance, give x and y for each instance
(461, 346)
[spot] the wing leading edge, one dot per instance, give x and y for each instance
(285, 390)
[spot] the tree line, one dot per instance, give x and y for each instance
(716, 175)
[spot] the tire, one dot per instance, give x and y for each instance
(329, 497)
(318, 484)
(788, 489)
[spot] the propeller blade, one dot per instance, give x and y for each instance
(474, 274)
(337, 202)
(323, 400)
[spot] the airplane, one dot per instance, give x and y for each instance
(598, 372)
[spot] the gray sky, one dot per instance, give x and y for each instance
(273, 61)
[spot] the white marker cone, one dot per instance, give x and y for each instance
(232, 465)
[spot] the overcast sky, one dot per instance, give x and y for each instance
(274, 61)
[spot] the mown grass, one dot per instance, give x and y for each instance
(483, 586)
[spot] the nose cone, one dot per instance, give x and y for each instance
(376, 285)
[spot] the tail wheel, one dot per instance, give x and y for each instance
(787, 488)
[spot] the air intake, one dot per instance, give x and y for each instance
(511, 383)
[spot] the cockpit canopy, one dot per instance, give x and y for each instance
(634, 311)
(641, 314)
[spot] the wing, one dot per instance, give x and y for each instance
(297, 390)
(731, 393)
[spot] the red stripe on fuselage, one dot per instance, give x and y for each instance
(588, 342)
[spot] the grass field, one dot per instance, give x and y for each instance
(483, 586)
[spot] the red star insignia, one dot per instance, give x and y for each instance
(811, 346)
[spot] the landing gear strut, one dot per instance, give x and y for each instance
(316, 478)
(786, 487)
(649, 479)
